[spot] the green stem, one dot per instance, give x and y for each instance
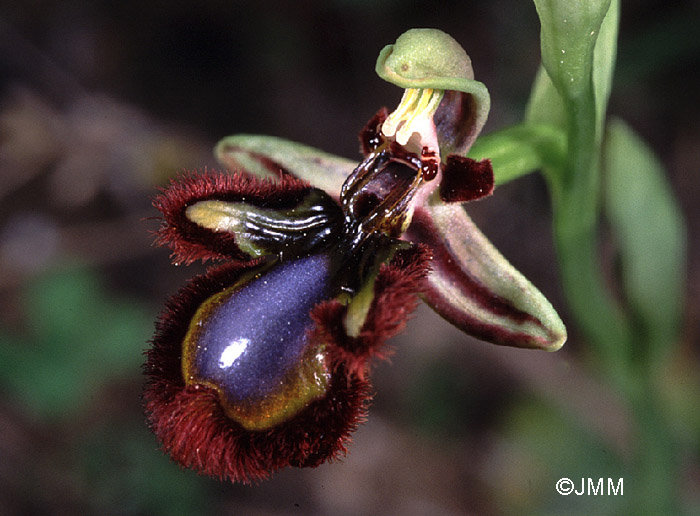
(576, 196)
(575, 193)
(575, 99)
(655, 474)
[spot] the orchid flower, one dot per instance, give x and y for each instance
(263, 362)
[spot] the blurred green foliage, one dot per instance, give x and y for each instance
(550, 447)
(647, 222)
(80, 339)
(126, 475)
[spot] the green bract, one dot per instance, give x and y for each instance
(569, 33)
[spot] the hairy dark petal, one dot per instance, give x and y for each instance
(189, 241)
(396, 290)
(191, 424)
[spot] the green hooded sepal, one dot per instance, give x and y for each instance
(429, 58)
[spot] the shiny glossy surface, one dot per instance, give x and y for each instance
(270, 230)
(249, 342)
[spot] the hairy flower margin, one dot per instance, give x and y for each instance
(263, 362)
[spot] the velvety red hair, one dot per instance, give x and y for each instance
(189, 420)
(189, 241)
(193, 428)
(396, 291)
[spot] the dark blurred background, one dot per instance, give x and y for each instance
(100, 102)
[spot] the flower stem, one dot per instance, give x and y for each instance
(657, 459)
(609, 331)
(575, 193)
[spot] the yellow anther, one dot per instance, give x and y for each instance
(414, 115)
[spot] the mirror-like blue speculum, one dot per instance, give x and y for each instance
(249, 342)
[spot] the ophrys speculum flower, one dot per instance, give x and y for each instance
(263, 362)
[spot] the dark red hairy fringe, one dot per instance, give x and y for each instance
(396, 290)
(193, 428)
(190, 242)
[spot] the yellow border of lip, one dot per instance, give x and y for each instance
(302, 385)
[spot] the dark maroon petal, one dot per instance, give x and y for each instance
(370, 136)
(189, 241)
(396, 290)
(464, 179)
(191, 423)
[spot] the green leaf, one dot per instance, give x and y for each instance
(604, 61)
(545, 105)
(265, 156)
(519, 150)
(569, 30)
(650, 231)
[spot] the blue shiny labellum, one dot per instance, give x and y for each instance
(250, 343)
